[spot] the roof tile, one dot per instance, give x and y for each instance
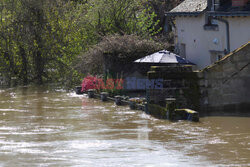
(190, 6)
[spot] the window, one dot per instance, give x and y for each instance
(219, 57)
(220, 5)
(211, 24)
(216, 56)
(216, 5)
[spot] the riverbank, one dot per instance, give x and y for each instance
(169, 112)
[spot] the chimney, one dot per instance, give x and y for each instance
(209, 4)
(239, 3)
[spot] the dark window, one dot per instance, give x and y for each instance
(211, 25)
(221, 5)
(219, 57)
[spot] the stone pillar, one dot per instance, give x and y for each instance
(118, 100)
(78, 90)
(171, 106)
(104, 96)
(91, 93)
(132, 104)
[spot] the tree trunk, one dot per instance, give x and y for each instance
(24, 72)
(39, 61)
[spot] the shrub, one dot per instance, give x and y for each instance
(116, 48)
(89, 82)
(112, 86)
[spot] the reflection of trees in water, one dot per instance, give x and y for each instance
(85, 103)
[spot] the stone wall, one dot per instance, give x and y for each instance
(180, 83)
(222, 89)
(225, 85)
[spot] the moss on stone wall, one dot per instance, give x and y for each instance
(179, 82)
(192, 94)
(157, 111)
(225, 85)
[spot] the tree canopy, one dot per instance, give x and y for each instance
(40, 40)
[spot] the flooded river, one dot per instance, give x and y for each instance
(52, 127)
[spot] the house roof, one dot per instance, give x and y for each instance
(188, 7)
(196, 7)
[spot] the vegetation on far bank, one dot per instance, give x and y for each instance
(59, 41)
(116, 49)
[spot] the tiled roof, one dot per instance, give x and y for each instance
(190, 6)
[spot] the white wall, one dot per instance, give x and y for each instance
(199, 42)
(239, 31)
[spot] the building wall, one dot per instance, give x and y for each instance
(221, 89)
(225, 85)
(239, 3)
(239, 31)
(201, 44)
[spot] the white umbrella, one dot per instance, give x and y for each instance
(163, 56)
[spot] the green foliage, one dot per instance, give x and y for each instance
(115, 49)
(121, 17)
(40, 40)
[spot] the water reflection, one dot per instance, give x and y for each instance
(51, 127)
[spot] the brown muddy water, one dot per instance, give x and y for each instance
(52, 127)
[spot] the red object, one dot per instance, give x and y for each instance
(89, 82)
(119, 84)
(239, 3)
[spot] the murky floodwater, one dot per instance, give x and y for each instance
(45, 127)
